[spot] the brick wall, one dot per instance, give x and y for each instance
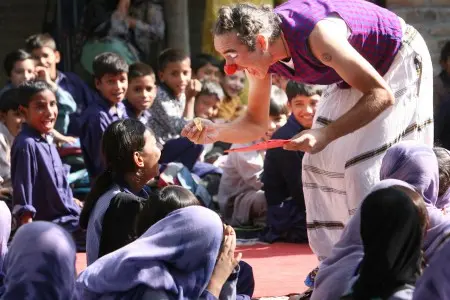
(18, 20)
(431, 18)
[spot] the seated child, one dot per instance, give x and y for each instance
(43, 48)
(175, 98)
(141, 92)
(241, 198)
(39, 179)
(20, 67)
(233, 85)
(111, 82)
(174, 104)
(394, 221)
(282, 178)
(130, 151)
(205, 67)
(165, 262)
(10, 125)
(443, 157)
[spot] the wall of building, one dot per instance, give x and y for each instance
(431, 18)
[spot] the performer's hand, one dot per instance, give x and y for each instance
(311, 141)
(208, 135)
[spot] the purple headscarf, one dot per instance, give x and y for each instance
(408, 164)
(434, 282)
(40, 263)
(177, 255)
(5, 231)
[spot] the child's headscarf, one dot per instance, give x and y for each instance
(40, 263)
(410, 164)
(177, 255)
(391, 232)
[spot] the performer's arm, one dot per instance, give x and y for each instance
(333, 50)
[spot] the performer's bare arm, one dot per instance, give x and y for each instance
(336, 52)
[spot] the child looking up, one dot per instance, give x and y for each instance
(111, 82)
(131, 155)
(141, 92)
(40, 187)
(232, 85)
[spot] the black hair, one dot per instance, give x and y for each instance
(108, 63)
(201, 60)
(159, 205)
(170, 55)
(294, 89)
(120, 140)
(443, 158)
(212, 88)
(278, 102)
(40, 40)
(248, 21)
(9, 101)
(445, 52)
(28, 89)
(140, 69)
(12, 57)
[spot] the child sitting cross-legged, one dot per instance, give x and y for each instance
(39, 179)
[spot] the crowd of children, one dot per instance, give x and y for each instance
(140, 234)
(126, 126)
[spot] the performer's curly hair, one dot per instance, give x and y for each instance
(248, 21)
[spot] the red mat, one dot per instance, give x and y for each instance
(279, 269)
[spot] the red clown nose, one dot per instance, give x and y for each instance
(230, 69)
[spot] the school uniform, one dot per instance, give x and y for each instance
(240, 191)
(81, 93)
(96, 118)
(66, 106)
(131, 113)
(39, 181)
(282, 178)
(103, 216)
(167, 122)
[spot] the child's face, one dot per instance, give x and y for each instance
(233, 84)
(304, 108)
(13, 120)
(113, 87)
(47, 58)
(150, 156)
(41, 112)
(142, 92)
(206, 106)
(208, 72)
(275, 122)
(176, 75)
(22, 71)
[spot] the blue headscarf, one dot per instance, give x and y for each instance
(40, 263)
(177, 255)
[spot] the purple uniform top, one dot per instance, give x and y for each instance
(375, 33)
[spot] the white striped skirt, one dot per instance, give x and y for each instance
(336, 180)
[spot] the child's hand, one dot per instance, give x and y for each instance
(193, 88)
(63, 139)
(43, 74)
(226, 262)
(78, 202)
